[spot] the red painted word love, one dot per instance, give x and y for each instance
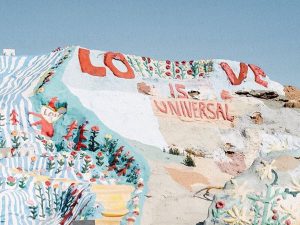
(100, 71)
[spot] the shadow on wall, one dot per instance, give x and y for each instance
(200, 223)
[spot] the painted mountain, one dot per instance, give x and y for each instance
(93, 137)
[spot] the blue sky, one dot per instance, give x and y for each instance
(265, 33)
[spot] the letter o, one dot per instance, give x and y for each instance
(108, 61)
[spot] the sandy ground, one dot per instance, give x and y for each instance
(172, 186)
(169, 202)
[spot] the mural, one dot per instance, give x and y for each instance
(67, 118)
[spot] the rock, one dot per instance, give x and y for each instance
(195, 152)
(259, 94)
(235, 166)
(292, 104)
(144, 88)
(225, 95)
(257, 118)
(293, 95)
(194, 94)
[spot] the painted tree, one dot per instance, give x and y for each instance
(13, 117)
(70, 130)
(93, 144)
(81, 139)
(2, 119)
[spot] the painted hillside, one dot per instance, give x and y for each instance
(94, 137)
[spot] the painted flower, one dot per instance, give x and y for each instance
(289, 209)
(177, 70)
(149, 60)
(220, 204)
(131, 219)
(11, 181)
(191, 62)
(78, 174)
(14, 133)
(236, 217)
(33, 158)
(73, 153)
(87, 158)
(168, 62)
(266, 170)
(168, 73)
(288, 222)
(93, 179)
(51, 158)
(30, 202)
(168, 67)
(275, 217)
(183, 62)
(95, 128)
(138, 172)
(92, 166)
(108, 136)
(151, 68)
(48, 183)
(144, 58)
(177, 63)
(189, 72)
(99, 154)
(55, 186)
(136, 211)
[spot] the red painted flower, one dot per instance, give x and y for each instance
(168, 73)
(191, 62)
(183, 62)
(274, 217)
(51, 158)
(150, 68)
(177, 70)
(93, 179)
(168, 67)
(78, 174)
(177, 63)
(11, 179)
(190, 72)
(144, 58)
(87, 158)
(201, 74)
(149, 60)
(47, 183)
(168, 62)
(178, 77)
(220, 204)
(130, 219)
(95, 128)
(73, 153)
(288, 222)
(99, 154)
(92, 166)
